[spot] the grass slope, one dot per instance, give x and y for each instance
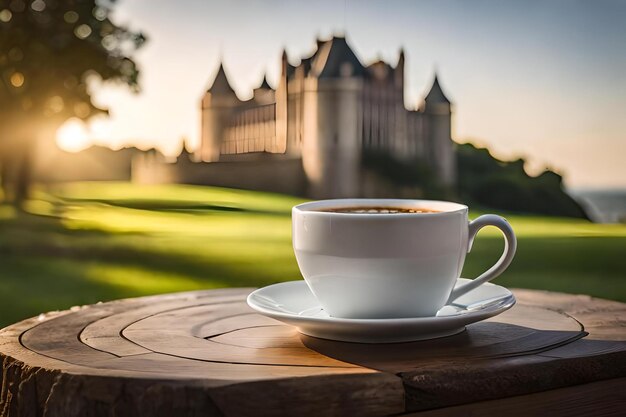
(87, 242)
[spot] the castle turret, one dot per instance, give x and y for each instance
(402, 148)
(399, 71)
(217, 107)
(438, 112)
(436, 98)
(332, 114)
(282, 103)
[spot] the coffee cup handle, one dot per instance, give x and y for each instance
(510, 245)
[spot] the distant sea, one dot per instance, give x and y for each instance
(602, 206)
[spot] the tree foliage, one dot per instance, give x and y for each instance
(489, 182)
(50, 49)
(482, 181)
(50, 53)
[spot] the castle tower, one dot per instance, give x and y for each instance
(217, 107)
(282, 107)
(332, 131)
(399, 72)
(402, 148)
(441, 155)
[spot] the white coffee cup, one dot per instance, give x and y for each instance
(362, 265)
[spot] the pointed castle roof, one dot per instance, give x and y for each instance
(436, 94)
(331, 57)
(220, 83)
(401, 57)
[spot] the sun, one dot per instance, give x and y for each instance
(72, 136)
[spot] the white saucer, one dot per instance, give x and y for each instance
(293, 303)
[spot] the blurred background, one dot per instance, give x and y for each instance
(158, 146)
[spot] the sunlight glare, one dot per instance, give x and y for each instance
(72, 136)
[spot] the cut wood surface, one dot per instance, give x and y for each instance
(207, 353)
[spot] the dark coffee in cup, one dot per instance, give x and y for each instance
(378, 210)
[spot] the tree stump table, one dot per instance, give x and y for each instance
(206, 353)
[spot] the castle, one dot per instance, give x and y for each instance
(308, 136)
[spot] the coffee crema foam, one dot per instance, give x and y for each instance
(377, 210)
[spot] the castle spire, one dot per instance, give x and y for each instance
(220, 83)
(436, 94)
(401, 59)
(399, 70)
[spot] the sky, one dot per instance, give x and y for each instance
(542, 80)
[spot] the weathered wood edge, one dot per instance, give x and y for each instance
(430, 388)
(28, 391)
(601, 398)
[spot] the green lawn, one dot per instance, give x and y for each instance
(88, 242)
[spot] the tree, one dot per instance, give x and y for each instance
(50, 53)
(488, 182)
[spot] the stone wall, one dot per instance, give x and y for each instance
(94, 164)
(261, 172)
